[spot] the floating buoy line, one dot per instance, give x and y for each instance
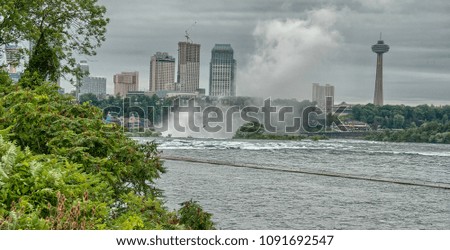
(317, 173)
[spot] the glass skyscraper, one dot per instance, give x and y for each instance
(222, 71)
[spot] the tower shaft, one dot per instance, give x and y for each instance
(378, 96)
(380, 48)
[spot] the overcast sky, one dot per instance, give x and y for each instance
(283, 46)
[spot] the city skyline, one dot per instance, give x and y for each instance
(333, 41)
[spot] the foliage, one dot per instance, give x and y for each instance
(399, 116)
(67, 169)
(61, 166)
(156, 104)
(36, 189)
(45, 121)
(406, 124)
(252, 127)
(90, 98)
(143, 213)
(432, 132)
(56, 29)
(255, 130)
(193, 216)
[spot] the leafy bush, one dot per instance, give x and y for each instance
(432, 132)
(193, 216)
(62, 167)
(36, 189)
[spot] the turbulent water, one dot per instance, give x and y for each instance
(267, 198)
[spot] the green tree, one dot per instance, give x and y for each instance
(252, 127)
(90, 98)
(445, 119)
(193, 216)
(56, 29)
(399, 120)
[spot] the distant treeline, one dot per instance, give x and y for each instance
(400, 116)
(401, 123)
(432, 132)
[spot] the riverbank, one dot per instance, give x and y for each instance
(256, 136)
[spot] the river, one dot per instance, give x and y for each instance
(331, 184)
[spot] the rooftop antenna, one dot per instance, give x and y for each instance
(380, 36)
(188, 37)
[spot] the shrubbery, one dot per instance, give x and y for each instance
(62, 167)
(400, 116)
(255, 130)
(432, 132)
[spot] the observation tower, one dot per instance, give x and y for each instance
(380, 48)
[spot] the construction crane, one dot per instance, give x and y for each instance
(188, 38)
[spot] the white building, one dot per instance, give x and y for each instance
(321, 93)
(90, 84)
(94, 85)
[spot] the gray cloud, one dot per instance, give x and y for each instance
(286, 54)
(417, 31)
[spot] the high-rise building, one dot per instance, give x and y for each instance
(12, 58)
(11, 62)
(126, 82)
(162, 72)
(188, 75)
(222, 71)
(90, 84)
(380, 48)
(84, 67)
(93, 85)
(323, 95)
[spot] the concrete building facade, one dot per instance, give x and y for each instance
(93, 85)
(222, 71)
(188, 74)
(125, 82)
(162, 72)
(10, 61)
